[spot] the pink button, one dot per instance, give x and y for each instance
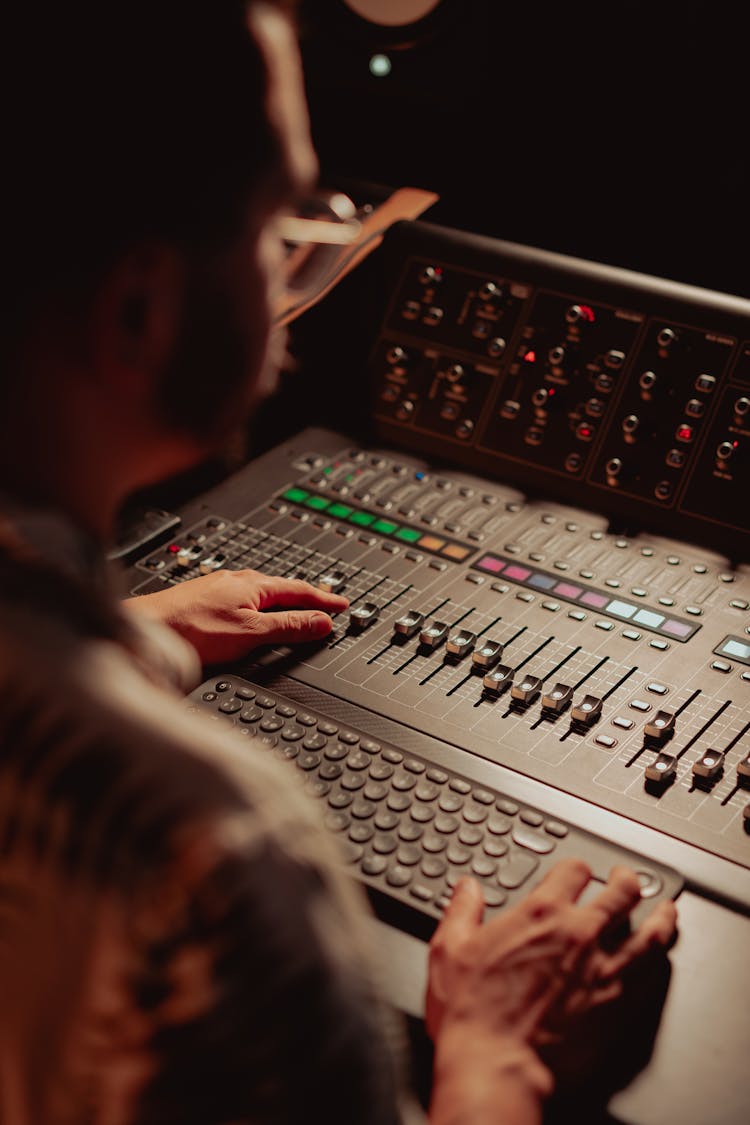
(519, 573)
(594, 599)
(566, 590)
(489, 562)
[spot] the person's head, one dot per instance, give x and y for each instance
(147, 148)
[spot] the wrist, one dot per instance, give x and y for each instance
(481, 1078)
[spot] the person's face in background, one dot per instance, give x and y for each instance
(226, 358)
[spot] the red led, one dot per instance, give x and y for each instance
(530, 356)
(174, 548)
(684, 433)
(587, 313)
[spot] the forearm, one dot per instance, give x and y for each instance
(486, 1081)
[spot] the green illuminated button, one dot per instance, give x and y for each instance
(339, 511)
(384, 527)
(317, 502)
(296, 495)
(362, 519)
(408, 534)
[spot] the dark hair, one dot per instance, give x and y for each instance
(123, 121)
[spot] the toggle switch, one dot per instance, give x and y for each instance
(661, 726)
(557, 699)
(409, 623)
(588, 710)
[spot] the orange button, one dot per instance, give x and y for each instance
(431, 543)
(455, 551)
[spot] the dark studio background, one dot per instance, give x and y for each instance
(615, 132)
(610, 132)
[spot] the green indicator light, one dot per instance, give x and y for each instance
(408, 534)
(362, 519)
(384, 527)
(339, 511)
(328, 470)
(296, 495)
(317, 502)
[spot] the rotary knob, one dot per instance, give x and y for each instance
(666, 337)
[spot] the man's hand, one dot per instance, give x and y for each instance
(226, 614)
(496, 990)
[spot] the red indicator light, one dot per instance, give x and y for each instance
(587, 313)
(551, 391)
(684, 433)
(174, 548)
(530, 356)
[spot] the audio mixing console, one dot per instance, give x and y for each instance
(545, 549)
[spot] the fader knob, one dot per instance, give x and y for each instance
(460, 642)
(526, 689)
(360, 616)
(434, 633)
(408, 623)
(743, 770)
(488, 654)
(332, 581)
(663, 770)
(588, 710)
(709, 765)
(661, 726)
(557, 699)
(498, 679)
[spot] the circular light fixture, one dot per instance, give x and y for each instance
(392, 13)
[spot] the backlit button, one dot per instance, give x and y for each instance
(606, 740)
(623, 723)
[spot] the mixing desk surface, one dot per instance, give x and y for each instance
(544, 545)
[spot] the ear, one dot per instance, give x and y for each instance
(136, 318)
